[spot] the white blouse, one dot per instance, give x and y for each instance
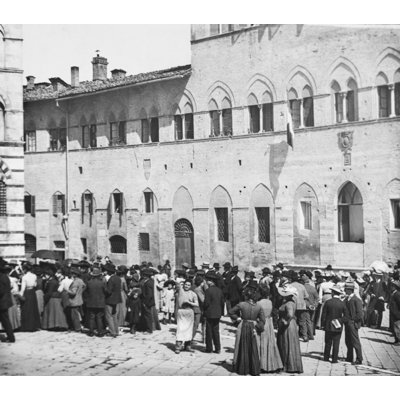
(29, 281)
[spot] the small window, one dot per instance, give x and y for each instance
(395, 203)
(87, 206)
(59, 245)
(222, 224)
(306, 215)
(145, 131)
(29, 202)
(384, 101)
(338, 107)
(53, 139)
(154, 130)
(118, 202)
(84, 245)
(114, 133)
(227, 121)
(144, 242)
(30, 245)
(3, 198)
(178, 127)
(262, 214)
(85, 136)
(58, 204)
(30, 141)
(118, 244)
(149, 202)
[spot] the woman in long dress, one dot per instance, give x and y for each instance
(30, 317)
(14, 312)
(186, 300)
(288, 332)
(246, 358)
(53, 314)
(270, 359)
(38, 271)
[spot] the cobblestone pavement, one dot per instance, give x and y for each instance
(62, 353)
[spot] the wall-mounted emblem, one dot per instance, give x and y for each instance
(345, 141)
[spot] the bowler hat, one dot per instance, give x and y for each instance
(227, 265)
(205, 264)
(235, 268)
(252, 285)
(96, 271)
(211, 275)
(110, 268)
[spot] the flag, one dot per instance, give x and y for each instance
(289, 130)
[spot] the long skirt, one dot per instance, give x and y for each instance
(289, 347)
(270, 359)
(40, 300)
(53, 315)
(184, 325)
(246, 358)
(14, 314)
(121, 310)
(30, 318)
(155, 321)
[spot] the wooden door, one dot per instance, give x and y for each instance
(184, 246)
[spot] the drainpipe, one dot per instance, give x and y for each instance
(66, 215)
(233, 240)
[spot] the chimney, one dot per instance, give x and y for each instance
(58, 84)
(118, 74)
(30, 82)
(99, 68)
(74, 77)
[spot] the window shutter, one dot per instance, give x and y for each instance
(93, 138)
(121, 197)
(63, 204)
(154, 130)
(55, 205)
(83, 207)
(350, 106)
(178, 127)
(189, 128)
(397, 98)
(308, 107)
(122, 132)
(268, 117)
(91, 204)
(227, 121)
(33, 209)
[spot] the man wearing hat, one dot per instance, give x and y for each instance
(394, 308)
(234, 287)
(75, 292)
(5, 301)
(302, 299)
(266, 278)
(95, 300)
(114, 297)
(332, 322)
(205, 265)
(213, 311)
(353, 320)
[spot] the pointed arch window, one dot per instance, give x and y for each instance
(214, 118)
(226, 117)
(384, 99)
(350, 214)
(58, 201)
(148, 201)
(308, 106)
(87, 206)
(254, 113)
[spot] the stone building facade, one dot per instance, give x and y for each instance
(11, 144)
(192, 163)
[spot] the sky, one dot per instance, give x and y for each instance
(51, 50)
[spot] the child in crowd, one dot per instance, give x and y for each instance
(134, 309)
(168, 301)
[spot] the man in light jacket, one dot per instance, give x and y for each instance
(75, 298)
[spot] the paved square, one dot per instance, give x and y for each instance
(62, 353)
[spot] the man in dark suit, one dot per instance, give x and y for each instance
(5, 301)
(114, 297)
(148, 301)
(213, 310)
(234, 287)
(95, 301)
(332, 322)
(394, 308)
(353, 320)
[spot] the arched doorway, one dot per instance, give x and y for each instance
(184, 243)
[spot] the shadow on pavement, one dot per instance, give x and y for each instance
(316, 355)
(224, 365)
(376, 340)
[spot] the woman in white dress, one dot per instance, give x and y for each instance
(186, 299)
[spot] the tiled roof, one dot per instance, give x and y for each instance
(42, 92)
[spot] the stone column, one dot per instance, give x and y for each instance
(301, 114)
(343, 97)
(392, 100)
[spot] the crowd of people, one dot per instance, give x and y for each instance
(272, 313)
